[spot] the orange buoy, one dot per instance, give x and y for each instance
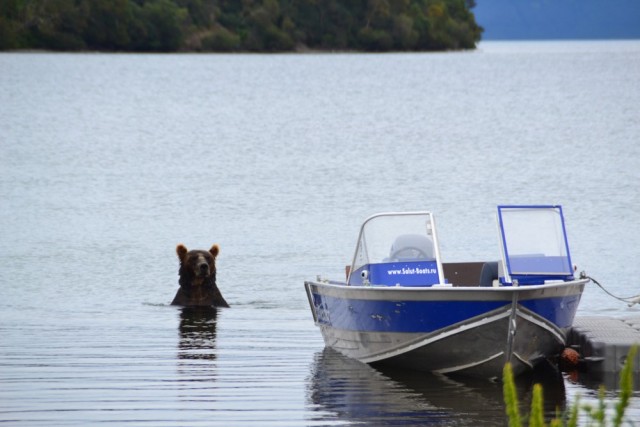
(569, 359)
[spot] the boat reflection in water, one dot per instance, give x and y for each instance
(346, 390)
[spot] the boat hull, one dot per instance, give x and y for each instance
(466, 330)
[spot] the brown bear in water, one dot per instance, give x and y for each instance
(198, 278)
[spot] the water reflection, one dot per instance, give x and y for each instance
(351, 391)
(198, 333)
(594, 379)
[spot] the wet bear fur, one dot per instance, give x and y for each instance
(198, 278)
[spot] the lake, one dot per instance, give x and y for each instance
(108, 161)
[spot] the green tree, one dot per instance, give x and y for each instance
(54, 25)
(164, 22)
(404, 33)
(200, 12)
(221, 40)
(108, 24)
(375, 40)
(11, 30)
(264, 33)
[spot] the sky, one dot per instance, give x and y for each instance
(558, 19)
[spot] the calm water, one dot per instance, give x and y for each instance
(108, 161)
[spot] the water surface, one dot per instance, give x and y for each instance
(108, 161)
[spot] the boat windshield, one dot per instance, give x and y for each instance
(534, 243)
(396, 238)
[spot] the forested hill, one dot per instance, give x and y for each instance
(237, 26)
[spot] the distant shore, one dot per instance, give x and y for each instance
(270, 26)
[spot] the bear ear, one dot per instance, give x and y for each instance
(215, 250)
(181, 250)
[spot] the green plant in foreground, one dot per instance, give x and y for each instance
(570, 418)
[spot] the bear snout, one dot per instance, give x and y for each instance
(203, 269)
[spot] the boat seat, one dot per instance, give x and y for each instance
(489, 273)
(411, 247)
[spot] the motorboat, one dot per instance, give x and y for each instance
(401, 304)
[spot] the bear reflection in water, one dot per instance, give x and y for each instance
(198, 278)
(198, 333)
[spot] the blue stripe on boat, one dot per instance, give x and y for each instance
(427, 316)
(559, 311)
(397, 316)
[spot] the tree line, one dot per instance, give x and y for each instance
(237, 25)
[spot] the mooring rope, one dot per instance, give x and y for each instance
(631, 301)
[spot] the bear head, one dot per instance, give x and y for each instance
(197, 267)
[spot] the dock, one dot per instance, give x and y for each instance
(603, 343)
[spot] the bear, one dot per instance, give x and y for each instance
(197, 278)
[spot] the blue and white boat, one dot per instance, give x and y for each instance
(401, 304)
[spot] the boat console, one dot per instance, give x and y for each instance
(397, 249)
